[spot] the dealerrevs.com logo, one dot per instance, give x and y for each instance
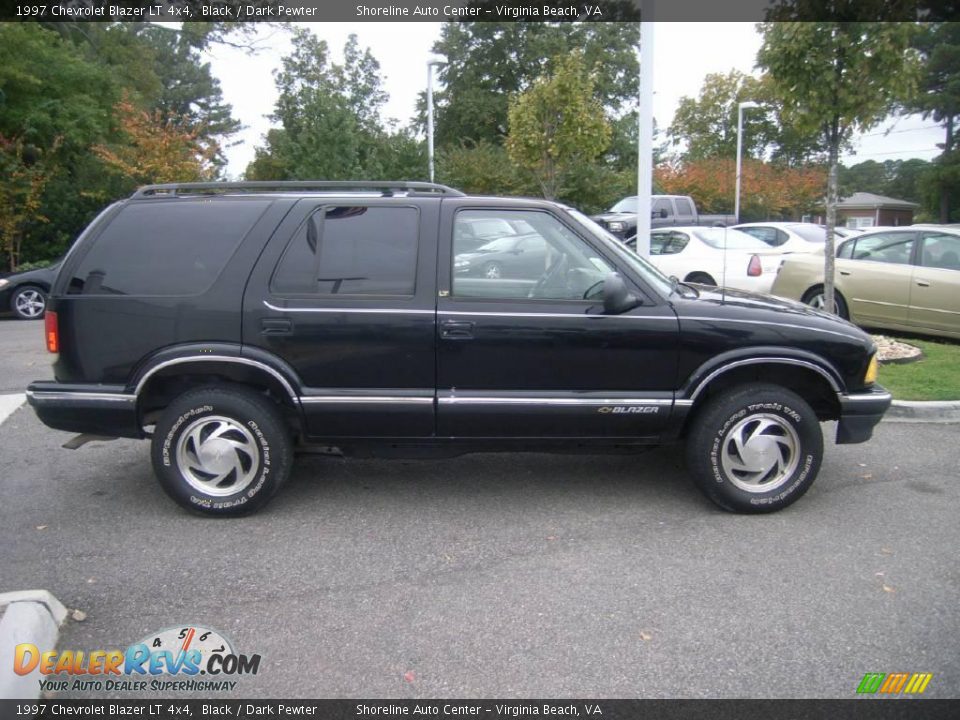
(189, 658)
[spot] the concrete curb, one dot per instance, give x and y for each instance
(28, 616)
(942, 411)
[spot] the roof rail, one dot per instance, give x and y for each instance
(387, 188)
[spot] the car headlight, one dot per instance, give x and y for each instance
(871, 375)
(616, 227)
(461, 263)
(4, 282)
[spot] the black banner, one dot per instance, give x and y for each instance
(865, 709)
(474, 10)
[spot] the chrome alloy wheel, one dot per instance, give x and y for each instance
(818, 302)
(492, 272)
(760, 453)
(218, 456)
(30, 303)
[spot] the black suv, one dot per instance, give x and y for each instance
(236, 323)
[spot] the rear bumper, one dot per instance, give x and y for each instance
(859, 414)
(93, 409)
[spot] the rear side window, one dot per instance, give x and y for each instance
(351, 250)
(684, 207)
(165, 247)
(669, 243)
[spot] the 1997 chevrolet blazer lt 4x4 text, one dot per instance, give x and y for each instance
(232, 323)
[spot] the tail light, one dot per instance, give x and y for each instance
(52, 331)
(755, 269)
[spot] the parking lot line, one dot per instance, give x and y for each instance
(9, 403)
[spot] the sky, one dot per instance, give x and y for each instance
(684, 53)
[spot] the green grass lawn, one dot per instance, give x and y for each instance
(936, 377)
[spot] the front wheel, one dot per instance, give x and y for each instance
(221, 451)
(29, 303)
(755, 449)
(814, 298)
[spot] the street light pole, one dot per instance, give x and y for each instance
(645, 134)
(431, 63)
(746, 105)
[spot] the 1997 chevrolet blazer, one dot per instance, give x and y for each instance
(232, 323)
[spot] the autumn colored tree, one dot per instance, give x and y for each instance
(767, 190)
(557, 123)
(23, 176)
(153, 147)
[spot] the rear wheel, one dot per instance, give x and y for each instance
(493, 271)
(29, 302)
(814, 298)
(755, 449)
(221, 451)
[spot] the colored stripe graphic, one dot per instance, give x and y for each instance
(894, 683)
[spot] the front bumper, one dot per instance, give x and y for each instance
(859, 414)
(90, 409)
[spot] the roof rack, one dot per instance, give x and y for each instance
(387, 189)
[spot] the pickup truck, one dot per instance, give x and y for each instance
(234, 324)
(665, 211)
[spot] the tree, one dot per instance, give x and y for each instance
(489, 62)
(938, 97)
(23, 175)
(832, 78)
(557, 123)
(769, 190)
(330, 124)
(153, 147)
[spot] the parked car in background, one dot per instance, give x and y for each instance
(665, 211)
(510, 256)
(713, 257)
(844, 232)
(25, 293)
(479, 231)
(904, 279)
(788, 237)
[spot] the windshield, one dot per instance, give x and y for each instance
(627, 205)
(811, 233)
(638, 264)
(730, 239)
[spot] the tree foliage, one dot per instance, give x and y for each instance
(489, 62)
(61, 86)
(832, 78)
(768, 190)
(330, 120)
(557, 123)
(157, 147)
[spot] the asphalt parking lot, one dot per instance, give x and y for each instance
(502, 575)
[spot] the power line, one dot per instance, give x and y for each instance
(894, 132)
(894, 152)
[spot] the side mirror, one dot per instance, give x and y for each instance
(663, 213)
(616, 298)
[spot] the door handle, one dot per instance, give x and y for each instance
(844, 272)
(923, 283)
(276, 326)
(456, 330)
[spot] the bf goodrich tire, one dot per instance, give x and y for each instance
(221, 451)
(754, 449)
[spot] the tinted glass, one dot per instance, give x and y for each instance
(684, 207)
(661, 205)
(884, 247)
(352, 250)
(846, 249)
(811, 233)
(550, 262)
(769, 235)
(165, 247)
(730, 239)
(668, 243)
(941, 251)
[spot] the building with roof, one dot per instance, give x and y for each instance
(863, 210)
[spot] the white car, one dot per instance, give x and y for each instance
(787, 237)
(714, 256)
